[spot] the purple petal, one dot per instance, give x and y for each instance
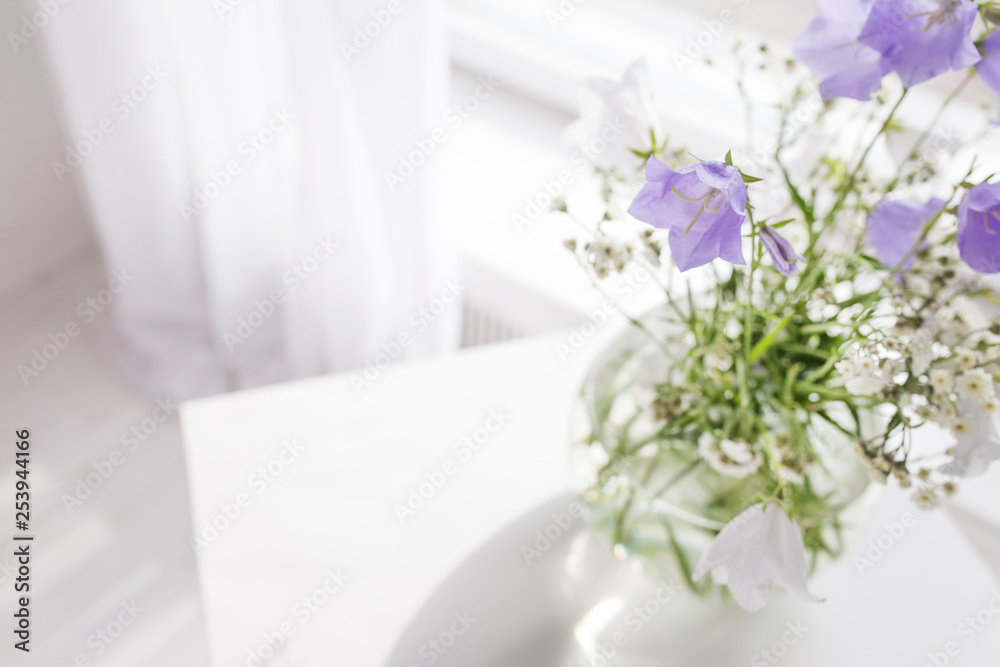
(920, 39)
(894, 227)
(703, 205)
(705, 243)
(829, 46)
(785, 259)
(979, 228)
(989, 68)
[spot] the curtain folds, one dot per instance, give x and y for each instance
(233, 156)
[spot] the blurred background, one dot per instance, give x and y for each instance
(215, 195)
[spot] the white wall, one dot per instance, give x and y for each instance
(44, 220)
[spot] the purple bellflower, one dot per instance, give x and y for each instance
(830, 48)
(920, 39)
(785, 259)
(989, 68)
(895, 227)
(979, 228)
(703, 205)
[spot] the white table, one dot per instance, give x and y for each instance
(323, 524)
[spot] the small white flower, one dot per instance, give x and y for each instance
(846, 368)
(926, 412)
(864, 385)
(919, 285)
(893, 367)
(946, 314)
(966, 358)
(975, 384)
(961, 426)
(610, 254)
(792, 475)
(991, 405)
(737, 451)
(866, 366)
(729, 457)
(926, 499)
(942, 380)
(946, 413)
(757, 548)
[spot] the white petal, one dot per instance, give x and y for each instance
(755, 549)
(976, 449)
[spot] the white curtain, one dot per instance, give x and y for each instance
(229, 145)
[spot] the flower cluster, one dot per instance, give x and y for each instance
(854, 44)
(849, 284)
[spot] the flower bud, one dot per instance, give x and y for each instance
(992, 13)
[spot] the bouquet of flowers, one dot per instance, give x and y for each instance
(833, 278)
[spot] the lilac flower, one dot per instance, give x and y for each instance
(703, 205)
(979, 228)
(977, 447)
(989, 68)
(830, 48)
(754, 550)
(920, 39)
(781, 251)
(895, 227)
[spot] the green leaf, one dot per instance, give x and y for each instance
(729, 158)
(779, 225)
(750, 179)
(767, 341)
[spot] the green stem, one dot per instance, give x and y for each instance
(915, 152)
(853, 178)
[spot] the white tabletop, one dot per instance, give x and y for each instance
(329, 517)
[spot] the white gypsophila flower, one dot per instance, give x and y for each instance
(866, 366)
(616, 116)
(792, 475)
(864, 385)
(757, 548)
(610, 254)
(729, 457)
(975, 384)
(992, 405)
(926, 499)
(942, 380)
(945, 314)
(945, 414)
(876, 472)
(926, 412)
(976, 447)
(893, 367)
(966, 358)
(960, 426)
(861, 375)
(846, 367)
(919, 285)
